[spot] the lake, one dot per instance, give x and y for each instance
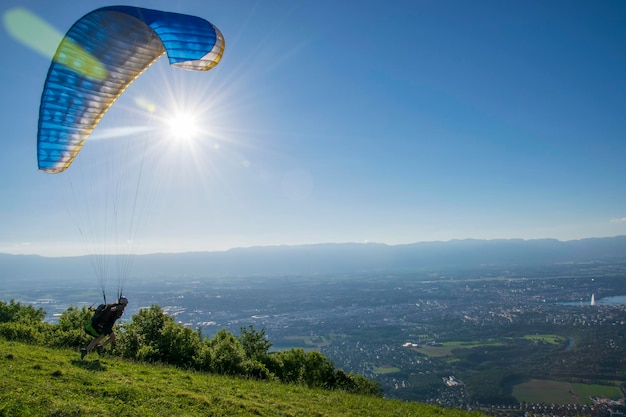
(616, 300)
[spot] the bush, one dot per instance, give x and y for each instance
(204, 358)
(357, 384)
(16, 312)
(257, 370)
(70, 331)
(255, 344)
(74, 319)
(228, 354)
(147, 353)
(70, 338)
(21, 332)
(289, 365)
(318, 370)
(178, 344)
(145, 330)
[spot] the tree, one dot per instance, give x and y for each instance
(74, 318)
(356, 384)
(142, 337)
(22, 323)
(318, 370)
(16, 312)
(228, 354)
(255, 344)
(70, 330)
(178, 344)
(289, 365)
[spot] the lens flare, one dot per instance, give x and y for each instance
(183, 126)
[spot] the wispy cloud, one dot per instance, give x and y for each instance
(622, 220)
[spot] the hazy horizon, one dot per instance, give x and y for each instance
(82, 252)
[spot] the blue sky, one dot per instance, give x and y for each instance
(370, 121)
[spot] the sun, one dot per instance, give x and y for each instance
(183, 126)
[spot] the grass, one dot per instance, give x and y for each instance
(386, 370)
(595, 390)
(38, 381)
(446, 348)
(312, 342)
(308, 343)
(557, 392)
(552, 339)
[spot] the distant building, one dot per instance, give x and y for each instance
(451, 381)
(593, 299)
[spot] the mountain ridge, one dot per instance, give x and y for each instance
(326, 258)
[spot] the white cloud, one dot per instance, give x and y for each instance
(622, 220)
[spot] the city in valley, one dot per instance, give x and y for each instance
(545, 340)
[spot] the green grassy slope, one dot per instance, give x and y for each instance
(37, 381)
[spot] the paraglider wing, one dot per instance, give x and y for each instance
(99, 57)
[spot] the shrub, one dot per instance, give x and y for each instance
(16, 312)
(290, 365)
(145, 329)
(257, 370)
(148, 353)
(70, 330)
(204, 357)
(356, 384)
(69, 338)
(228, 354)
(21, 332)
(74, 319)
(254, 343)
(178, 344)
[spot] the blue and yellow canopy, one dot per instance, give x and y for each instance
(99, 57)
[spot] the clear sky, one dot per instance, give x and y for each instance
(349, 121)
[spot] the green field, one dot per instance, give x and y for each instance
(308, 343)
(446, 348)
(546, 391)
(552, 339)
(386, 370)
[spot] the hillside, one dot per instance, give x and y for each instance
(55, 382)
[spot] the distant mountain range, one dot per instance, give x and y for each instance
(332, 258)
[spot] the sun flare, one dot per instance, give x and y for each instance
(183, 126)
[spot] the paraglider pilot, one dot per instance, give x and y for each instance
(101, 325)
